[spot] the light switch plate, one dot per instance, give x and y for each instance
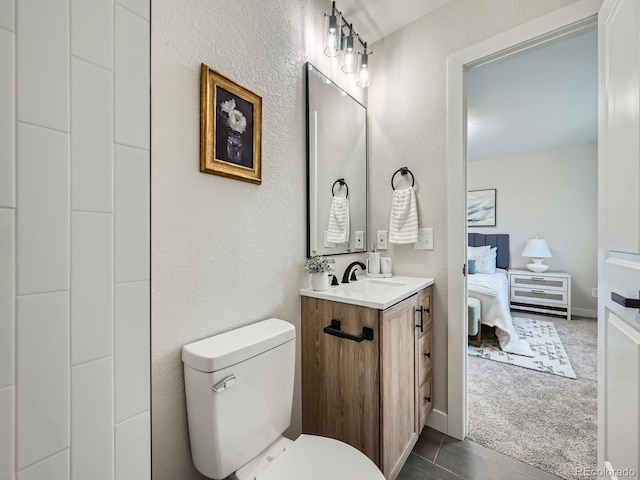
(381, 239)
(359, 240)
(425, 239)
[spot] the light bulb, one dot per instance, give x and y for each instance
(363, 77)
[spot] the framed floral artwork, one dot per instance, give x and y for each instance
(230, 128)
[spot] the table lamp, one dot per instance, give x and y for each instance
(537, 249)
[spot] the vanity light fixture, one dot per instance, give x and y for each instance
(349, 58)
(364, 74)
(341, 38)
(333, 26)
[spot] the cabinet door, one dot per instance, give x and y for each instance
(340, 377)
(397, 384)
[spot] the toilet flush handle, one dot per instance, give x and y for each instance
(225, 383)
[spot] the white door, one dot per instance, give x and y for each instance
(619, 239)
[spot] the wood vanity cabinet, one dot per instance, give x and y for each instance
(372, 393)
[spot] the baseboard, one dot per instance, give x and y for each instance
(584, 312)
(438, 421)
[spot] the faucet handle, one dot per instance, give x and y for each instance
(353, 277)
(334, 281)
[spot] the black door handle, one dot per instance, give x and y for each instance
(334, 329)
(626, 302)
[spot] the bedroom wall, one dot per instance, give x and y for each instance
(407, 107)
(556, 200)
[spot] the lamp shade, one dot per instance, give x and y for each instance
(536, 248)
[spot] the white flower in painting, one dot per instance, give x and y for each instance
(228, 106)
(236, 121)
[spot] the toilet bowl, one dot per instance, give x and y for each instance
(239, 392)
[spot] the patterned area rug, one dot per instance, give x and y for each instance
(549, 354)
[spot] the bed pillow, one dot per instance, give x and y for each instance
(487, 263)
(475, 252)
(471, 268)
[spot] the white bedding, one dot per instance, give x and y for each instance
(492, 289)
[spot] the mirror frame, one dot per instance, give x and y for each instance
(307, 67)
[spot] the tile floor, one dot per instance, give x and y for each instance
(437, 456)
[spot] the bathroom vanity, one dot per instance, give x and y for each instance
(367, 366)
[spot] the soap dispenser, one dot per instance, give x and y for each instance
(374, 261)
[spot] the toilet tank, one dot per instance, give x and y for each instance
(252, 368)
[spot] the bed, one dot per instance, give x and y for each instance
(492, 290)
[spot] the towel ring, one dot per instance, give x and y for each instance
(403, 171)
(341, 182)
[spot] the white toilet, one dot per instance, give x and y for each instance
(239, 389)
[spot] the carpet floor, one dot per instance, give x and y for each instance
(544, 420)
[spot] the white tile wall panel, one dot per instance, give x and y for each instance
(92, 137)
(7, 297)
(91, 286)
(7, 432)
(92, 435)
(92, 31)
(132, 353)
(53, 468)
(42, 373)
(131, 214)
(132, 99)
(43, 210)
(8, 14)
(141, 7)
(133, 452)
(43, 62)
(7, 117)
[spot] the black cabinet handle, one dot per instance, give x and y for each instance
(334, 329)
(626, 302)
(428, 399)
(428, 354)
(422, 311)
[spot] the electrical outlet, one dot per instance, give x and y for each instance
(359, 240)
(381, 239)
(594, 292)
(425, 239)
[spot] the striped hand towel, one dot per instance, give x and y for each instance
(338, 230)
(403, 225)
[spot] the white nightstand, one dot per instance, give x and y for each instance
(548, 292)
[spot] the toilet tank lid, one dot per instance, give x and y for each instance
(228, 348)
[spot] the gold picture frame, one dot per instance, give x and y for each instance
(230, 128)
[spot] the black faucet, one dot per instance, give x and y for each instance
(347, 272)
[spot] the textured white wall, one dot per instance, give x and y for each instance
(551, 194)
(74, 239)
(407, 108)
(225, 253)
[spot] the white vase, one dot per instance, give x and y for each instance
(320, 281)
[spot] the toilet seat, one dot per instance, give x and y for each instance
(319, 458)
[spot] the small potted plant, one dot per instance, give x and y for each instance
(319, 267)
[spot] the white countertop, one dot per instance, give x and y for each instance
(378, 293)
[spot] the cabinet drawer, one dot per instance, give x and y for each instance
(539, 296)
(426, 400)
(537, 282)
(424, 302)
(424, 350)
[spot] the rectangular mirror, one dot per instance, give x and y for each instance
(336, 168)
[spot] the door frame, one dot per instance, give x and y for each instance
(552, 25)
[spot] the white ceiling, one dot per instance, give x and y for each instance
(541, 99)
(374, 19)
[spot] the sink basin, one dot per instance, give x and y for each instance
(379, 293)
